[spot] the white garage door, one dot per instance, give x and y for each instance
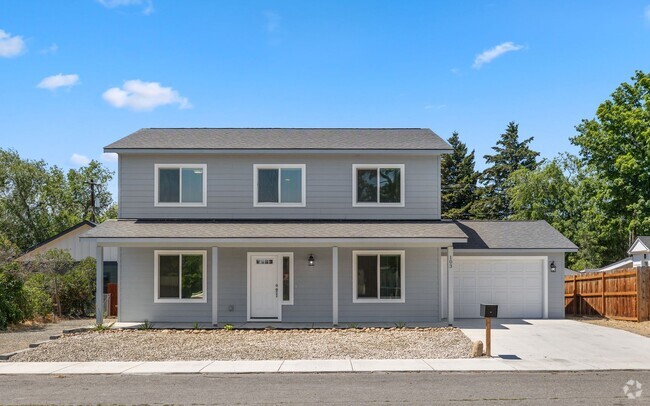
(515, 284)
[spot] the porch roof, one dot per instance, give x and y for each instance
(431, 231)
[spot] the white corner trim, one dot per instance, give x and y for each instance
(180, 167)
(402, 255)
(156, 274)
(402, 171)
(303, 177)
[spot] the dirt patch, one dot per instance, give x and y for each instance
(18, 337)
(641, 328)
(184, 345)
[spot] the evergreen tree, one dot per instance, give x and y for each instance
(458, 180)
(510, 155)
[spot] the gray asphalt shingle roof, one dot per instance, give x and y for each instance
(282, 138)
(519, 235)
(239, 230)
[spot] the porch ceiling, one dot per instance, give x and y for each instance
(300, 232)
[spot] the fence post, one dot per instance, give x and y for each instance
(602, 275)
(575, 295)
(638, 294)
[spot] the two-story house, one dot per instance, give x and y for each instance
(334, 226)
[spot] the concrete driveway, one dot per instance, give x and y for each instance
(567, 344)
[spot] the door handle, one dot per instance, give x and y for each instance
(276, 290)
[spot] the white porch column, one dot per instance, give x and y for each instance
(99, 292)
(450, 285)
(215, 284)
(335, 285)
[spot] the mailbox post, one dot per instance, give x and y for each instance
(488, 311)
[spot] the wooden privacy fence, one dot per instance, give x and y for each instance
(621, 295)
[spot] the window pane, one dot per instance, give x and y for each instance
(168, 277)
(389, 184)
(367, 186)
(390, 277)
(291, 185)
(192, 277)
(367, 276)
(168, 185)
(267, 186)
(192, 185)
(286, 278)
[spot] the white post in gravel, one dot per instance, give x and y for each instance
(335, 286)
(450, 285)
(99, 292)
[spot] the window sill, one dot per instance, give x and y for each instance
(377, 204)
(279, 205)
(378, 300)
(180, 204)
(198, 301)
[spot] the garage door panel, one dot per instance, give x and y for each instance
(514, 284)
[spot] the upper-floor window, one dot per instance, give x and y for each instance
(378, 185)
(180, 184)
(279, 185)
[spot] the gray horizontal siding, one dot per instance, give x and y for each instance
(136, 292)
(230, 187)
(422, 275)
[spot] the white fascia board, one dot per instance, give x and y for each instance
(279, 151)
(278, 242)
(638, 248)
(514, 251)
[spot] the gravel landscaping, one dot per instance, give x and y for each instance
(184, 345)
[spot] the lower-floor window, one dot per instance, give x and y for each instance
(180, 276)
(378, 276)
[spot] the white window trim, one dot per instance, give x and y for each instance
(402, 199)
(156, 265)
(302, 167)
(180, 167)
(402, 255)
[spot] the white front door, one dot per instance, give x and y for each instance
(264, 278)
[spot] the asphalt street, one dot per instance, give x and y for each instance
(593, 388)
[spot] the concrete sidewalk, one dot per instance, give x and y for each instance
(279, 366)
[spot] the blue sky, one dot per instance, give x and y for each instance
(77, 75)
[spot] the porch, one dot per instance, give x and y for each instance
(340, 273)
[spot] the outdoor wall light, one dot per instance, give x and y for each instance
(553, 267)
(311, 261)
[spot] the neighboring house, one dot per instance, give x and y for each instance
(639, 255)
(79, 249)
(312, 225)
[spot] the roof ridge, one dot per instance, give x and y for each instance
(285, 128)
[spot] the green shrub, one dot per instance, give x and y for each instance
(12, 299)
(38, 295)
(77, 291)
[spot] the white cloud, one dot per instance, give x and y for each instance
(11, 46)
(56, 81)
(435, 106)
(491, 54)
(272, 21)
(79, 160)
(144, 96)
(146, 4)
(646, 13)
(52, 49)
(109, 157)
(455, 71)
